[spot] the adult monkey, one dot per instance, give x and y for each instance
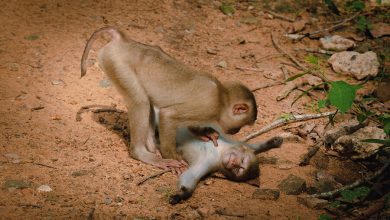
(149, 78)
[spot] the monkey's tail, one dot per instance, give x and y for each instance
(116, 35)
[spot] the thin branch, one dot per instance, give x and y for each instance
(249, 69)
(267, 57)
(331, 28)
(285, 72)
(151, 177)
(283, 17)
(295, 60)
(320, 51)
(332, 194)
(312, 151)
(285, 53)
(275, 83)
(283, 121)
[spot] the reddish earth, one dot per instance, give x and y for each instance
(88, 165)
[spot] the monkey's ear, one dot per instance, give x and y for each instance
(240, 108)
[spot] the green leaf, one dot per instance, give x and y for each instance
(296, 76)
(306, 92)
(322, 103)
(386, 127)
(324, 217)
(342, 95)
(287, 116)
(363, 24)
(358, 5)
(361, 118)
(312, 59)
(335, 204)
(385, 142)
(31, 37)
(227, 8)
(355, 194)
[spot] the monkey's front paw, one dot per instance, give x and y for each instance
(275, 141)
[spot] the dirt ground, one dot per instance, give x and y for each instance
(87, 163)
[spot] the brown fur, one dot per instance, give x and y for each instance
(148, 77)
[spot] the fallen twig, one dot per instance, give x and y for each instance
(285, 53)
(283, 121)
(37, 108)
(312, 151)
(283, 17)
(291, 64)
(292, 58)
(320, 51)
(151, 177)
(275, 83)
(270, 56)
(107, 110)
(43, 165)
(285, 72)
(249, 69)
(331, 28)
(332, 194)
(373, 208)
(30, 205)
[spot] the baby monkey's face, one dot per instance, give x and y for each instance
(239, 163)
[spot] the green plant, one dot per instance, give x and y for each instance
(324, 217)
(355, 5)
(355, 194)
(363, 24)
(227, 8)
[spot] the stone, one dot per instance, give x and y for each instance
(204, 212)
(12, 157)
(355, 64)
(44, 188)
(379, 30)
(107, 200)
(349, 127)
(105, 83)
(222, 64)
(17, 184)
(336, 43)
(249, 20)
(352, 146)
(285, 165)
(322, 186)
(266, 194)
(382, 91)
(305, 129)
(292, 185)
(267, 160)
(313, 203)
(290, 137)
(57, 82)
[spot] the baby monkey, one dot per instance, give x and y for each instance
(237, 161)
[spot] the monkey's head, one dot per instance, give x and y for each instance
(240, 164)
(241, 108)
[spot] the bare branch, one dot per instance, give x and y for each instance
(283, 121)
(332, 194)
